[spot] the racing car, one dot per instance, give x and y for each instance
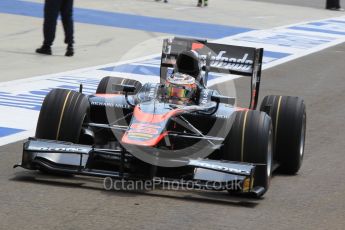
(176, 130)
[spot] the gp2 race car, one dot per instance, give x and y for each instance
(178, 131)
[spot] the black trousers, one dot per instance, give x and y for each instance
(332, 4)
(52, 10)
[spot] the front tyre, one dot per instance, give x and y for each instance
(62, 115)
(250, 140)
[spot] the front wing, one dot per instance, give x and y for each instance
(68, 158)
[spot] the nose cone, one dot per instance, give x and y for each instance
(148, 128)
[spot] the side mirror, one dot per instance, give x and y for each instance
(123, 88)
(223, 99)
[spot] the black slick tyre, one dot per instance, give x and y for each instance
(250, 140)
(289, 123)
(62, 115)
(105, 85)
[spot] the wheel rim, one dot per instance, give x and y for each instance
(302, 139)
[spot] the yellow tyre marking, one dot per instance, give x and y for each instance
(76, 101)
(277, 118)
(243, 132)
(61, 116)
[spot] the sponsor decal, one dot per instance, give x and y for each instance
(222, 116)
(222, 61)
(139, 135)
(204, 96)
(109, 104)
(152, 91)
(57, 149)
(215, 167)
(144, 128)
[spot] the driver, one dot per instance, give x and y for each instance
(181, 89)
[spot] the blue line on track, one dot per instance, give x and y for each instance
(336, 21)
(128, 21)
(317, 30)
(275, 54)
(4, 131)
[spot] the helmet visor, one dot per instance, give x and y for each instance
(178, 92)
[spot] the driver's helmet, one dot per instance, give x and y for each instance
(188, 62)
(180, 88)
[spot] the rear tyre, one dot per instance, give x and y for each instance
(105, 85)
(250, 140)
(62, 115)
(289, 124)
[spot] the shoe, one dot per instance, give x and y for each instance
(336, 9)
(165, 1)
(205, 4)
(69, 51)
(199, 4)
(44, 50)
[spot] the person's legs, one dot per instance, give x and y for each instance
(67, 22)
(199, 3)
(332, 4)
(51, 12)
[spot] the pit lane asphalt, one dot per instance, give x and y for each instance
(313, 199)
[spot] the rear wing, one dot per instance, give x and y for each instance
(216, 58)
